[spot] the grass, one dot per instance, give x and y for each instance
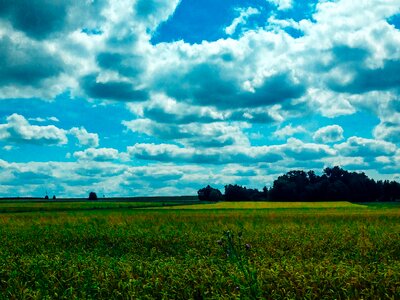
(13, 206)
(272, 205)
(324, 252)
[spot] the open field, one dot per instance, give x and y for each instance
(41, 205)
(321, 252)
(272, 205)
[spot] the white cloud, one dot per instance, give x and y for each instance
(85, 138)
(288, 131)
(97, 154)
(19, 130)
(215, 134)
(329, 134)
(293, 149)
(362, 147)
(42, 120)
(389, 127)
(282, 4)
(8, 147)
(241, 19)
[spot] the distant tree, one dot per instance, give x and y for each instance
(335, 184)
(46, 197)
(54, 197)
(209, 194)
(92, 196)
(240, 193)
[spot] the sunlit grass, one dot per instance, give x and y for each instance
(271, 205)
(297, 253)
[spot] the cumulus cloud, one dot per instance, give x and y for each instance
(288, 131)
(329, 134)
(97, 154)
(282, 4)
(389, 127)
(215, 85)
(19, 130)
(37, 19)
(362, 147)
(244, 14)
(293, 149)
(173, 153)
(296, 149)
(26, 64)
(85, 138)
(194, 134)
(164, 109)
(111, 89)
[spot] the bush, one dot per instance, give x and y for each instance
(92, 196)
(209, 194)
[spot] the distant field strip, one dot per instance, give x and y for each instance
(270, 205)
(29, 206)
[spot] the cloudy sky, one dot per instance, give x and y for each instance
(161, 97)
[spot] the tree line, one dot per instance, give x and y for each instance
(335, 184)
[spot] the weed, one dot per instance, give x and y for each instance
(237, 252)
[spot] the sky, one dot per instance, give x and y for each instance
(162, 97)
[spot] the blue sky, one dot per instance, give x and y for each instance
(161, 97)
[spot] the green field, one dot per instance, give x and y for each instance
(235, 250)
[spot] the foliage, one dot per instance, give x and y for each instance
(239, 193)
(92, 196)
(236, 252)
(209, 194)
(172, 254)
(334, 184)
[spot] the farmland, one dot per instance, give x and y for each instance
(224, 250)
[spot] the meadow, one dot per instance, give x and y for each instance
(235, 250)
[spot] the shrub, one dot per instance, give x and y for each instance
(92, 196)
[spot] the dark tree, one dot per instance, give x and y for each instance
(335, 184)
(46, 197)
(92, 196)
(54, 197)
(240, 193)
(209, 194)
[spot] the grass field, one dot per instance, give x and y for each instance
(236, 250)
(272, 205)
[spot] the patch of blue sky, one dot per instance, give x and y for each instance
(23, 153)
(105, 120)
(395, 21)
(92, 31)
(195, 21)
(301, 10)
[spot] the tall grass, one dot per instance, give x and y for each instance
(164, 254)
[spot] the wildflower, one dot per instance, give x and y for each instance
(248, 246)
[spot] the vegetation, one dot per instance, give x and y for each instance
(209, 194)
(92, 196)
(30, 206)
(304, 250)
(239, 193)
(335, 184)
